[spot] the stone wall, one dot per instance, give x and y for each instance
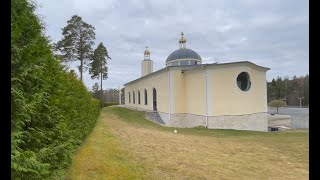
(252, 122)
(279, 120)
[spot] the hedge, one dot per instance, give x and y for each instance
(51, 110)
(106, 104)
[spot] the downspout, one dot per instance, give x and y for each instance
(169, 77)
(205, 72)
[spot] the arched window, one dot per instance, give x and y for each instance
(145, 97)
(134, 98)
(129, 98)
(138, 97)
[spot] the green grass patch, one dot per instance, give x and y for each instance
(124, 145)
(103, 157)
(137, 118)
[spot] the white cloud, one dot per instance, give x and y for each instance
(271, 33)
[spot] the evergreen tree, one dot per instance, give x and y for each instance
(99, 68)
(289, 90)
(95, 90)
(77, 41)
(51, 110)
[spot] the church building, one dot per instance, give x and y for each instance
(187, 93)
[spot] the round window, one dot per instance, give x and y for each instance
(243, 81)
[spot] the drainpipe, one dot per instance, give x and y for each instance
(169, 97)
(205, 72)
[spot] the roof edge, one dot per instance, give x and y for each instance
(216, 65)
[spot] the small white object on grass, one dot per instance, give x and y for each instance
(175, 131)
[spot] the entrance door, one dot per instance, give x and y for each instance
(154, 99)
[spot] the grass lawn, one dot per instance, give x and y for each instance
(124, 145)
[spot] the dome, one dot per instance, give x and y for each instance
(147, 52)
(183, 53)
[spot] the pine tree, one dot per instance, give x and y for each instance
(95, 90)
(99, 68)
(77, 41)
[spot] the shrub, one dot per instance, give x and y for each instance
(106, 104)
(277, 104)
(51, 110)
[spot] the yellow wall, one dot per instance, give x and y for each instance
(228, 99)
(160, 82)
(178, 94)
(146, 67)
(188, 91)
(194, 92)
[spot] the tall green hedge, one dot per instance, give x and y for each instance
(51, 110)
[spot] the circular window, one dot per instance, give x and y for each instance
(243, 81)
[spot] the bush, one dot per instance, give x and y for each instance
(51, 110)
(106, 104)
(277, 104)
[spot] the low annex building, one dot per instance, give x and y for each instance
(187, 93)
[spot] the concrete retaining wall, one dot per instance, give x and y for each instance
(252, 122)
(279, 120)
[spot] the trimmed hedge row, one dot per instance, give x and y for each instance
(51, 110)
(106, 104)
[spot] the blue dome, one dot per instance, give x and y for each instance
(183, 53)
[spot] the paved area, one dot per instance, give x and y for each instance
(300, 113)
(299, 116)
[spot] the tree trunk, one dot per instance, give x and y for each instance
(81, 66)
(101, 83)
(81, 56)
(277, 110)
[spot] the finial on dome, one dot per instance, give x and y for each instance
(182, 41)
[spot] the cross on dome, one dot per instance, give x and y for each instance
(182, 41)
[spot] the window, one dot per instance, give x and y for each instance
(174, 63)
(243, 81)
(134, 98)
(193, 62)
(129, 98)
(138, 97)
(145, 97)
(183, 63)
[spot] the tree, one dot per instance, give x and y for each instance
(95, 90)
(51, 110)
(77, 41)
(98, 65)
(277, 104)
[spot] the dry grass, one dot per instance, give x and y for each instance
(102, 157)
(198, 153)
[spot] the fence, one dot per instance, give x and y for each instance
(299, 116)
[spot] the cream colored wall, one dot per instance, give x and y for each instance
(178, 89)
(146, 67)
(188, 92)
(227, 99)
(158, 81)
(194, 92)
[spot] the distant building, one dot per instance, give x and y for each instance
(187, 93)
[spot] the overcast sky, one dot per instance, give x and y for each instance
(273, 33)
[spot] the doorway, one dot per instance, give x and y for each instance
(154, 99)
